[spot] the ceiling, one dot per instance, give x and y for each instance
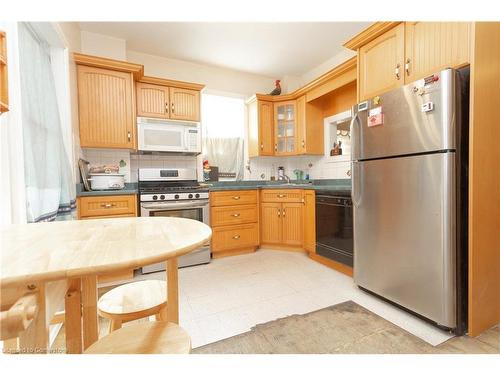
(269, 49)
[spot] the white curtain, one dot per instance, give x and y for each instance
(225, 153)
(50, 191)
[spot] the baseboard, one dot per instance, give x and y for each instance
(282, 247)
(332, 264)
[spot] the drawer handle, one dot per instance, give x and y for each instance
(235, 215)
(281, 195)
(279, 212)
(236, 198)
(108, 205)
(284, 212)
(237, 237)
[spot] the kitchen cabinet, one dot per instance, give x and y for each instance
(310, 126)
(184, 104)
(260, 128)
(4, 91)
(162, 101)
(272, 226)
(282, 217)
(106, 108)
(381, 63)
(234, 221)
(433, 46)
(310, 221)
(98, 207)
(285, 128)
(407, 52)
(152, 100)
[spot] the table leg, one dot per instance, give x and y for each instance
(172, 291)
(89, 310)
(35, 339)
(73, 317)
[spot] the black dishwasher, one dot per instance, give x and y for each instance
(334, 222)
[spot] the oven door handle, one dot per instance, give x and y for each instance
(169, 206)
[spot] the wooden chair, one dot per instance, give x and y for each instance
(144, 338)
(133, 301)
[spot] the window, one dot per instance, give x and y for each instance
(223, 120)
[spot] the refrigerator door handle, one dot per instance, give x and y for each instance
(356, 183)
(354, 139)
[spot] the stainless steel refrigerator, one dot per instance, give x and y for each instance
(409, 192)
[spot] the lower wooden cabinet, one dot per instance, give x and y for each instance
(234, 217)
(291, 217)
(90, 207)
(271, 225)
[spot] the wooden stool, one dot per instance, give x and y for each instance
(144, 338)
(133, 301)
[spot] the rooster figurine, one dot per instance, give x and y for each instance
(277, 89)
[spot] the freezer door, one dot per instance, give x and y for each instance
(416, 118)
(404, 232)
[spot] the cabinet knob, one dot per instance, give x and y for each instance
(108, 205)
(276, 147)
(407, 66)
(396, 72)
(279, 212)
(173, 108)
(129, 136)
(236, 197)
(261, 146)
(281, 195)
(236, 237)
(303, 143)
(236, 215)
(284, 212)
(166, 107)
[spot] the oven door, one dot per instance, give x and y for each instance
(334, 228)
(195, 210)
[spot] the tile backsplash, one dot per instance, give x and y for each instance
(134, 162)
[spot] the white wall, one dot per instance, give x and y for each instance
(103, 45)
(327, 65)
(215, 78)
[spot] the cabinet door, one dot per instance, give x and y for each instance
(291, 217)
(301, 124)
(433, 46)
(271, 223)
(184, 104)
(310, 221)
(152, 100)
(266, 128)
(285, 130)
(106, 108)
(381, 63)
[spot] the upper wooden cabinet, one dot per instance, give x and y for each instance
(155, 98)
(392, 54)
(152, 100)
(381, 63)
(309, 128)
(184, 104)
(4, 92)
(106, 108)
(285, 128)
(260, 128)
(433, 46)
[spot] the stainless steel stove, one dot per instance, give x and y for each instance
(174, 193)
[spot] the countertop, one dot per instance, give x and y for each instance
(338, 185)
(130, 188)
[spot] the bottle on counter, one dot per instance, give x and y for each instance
(281, 173)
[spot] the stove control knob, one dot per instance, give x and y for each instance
(176, 196)
(190, 196)
(155, 197)
(197, 195)
(162, 197)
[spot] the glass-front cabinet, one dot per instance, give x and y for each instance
(285, 128)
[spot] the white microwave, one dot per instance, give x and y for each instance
(168, 135)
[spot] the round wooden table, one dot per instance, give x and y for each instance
(60, 262)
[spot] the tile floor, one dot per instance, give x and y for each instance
(230, 295)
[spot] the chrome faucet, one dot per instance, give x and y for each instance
(285, 177)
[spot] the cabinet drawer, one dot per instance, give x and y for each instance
(285, 195)
(234, 237)
(230, 215)
(112, 205)
(234, 197)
